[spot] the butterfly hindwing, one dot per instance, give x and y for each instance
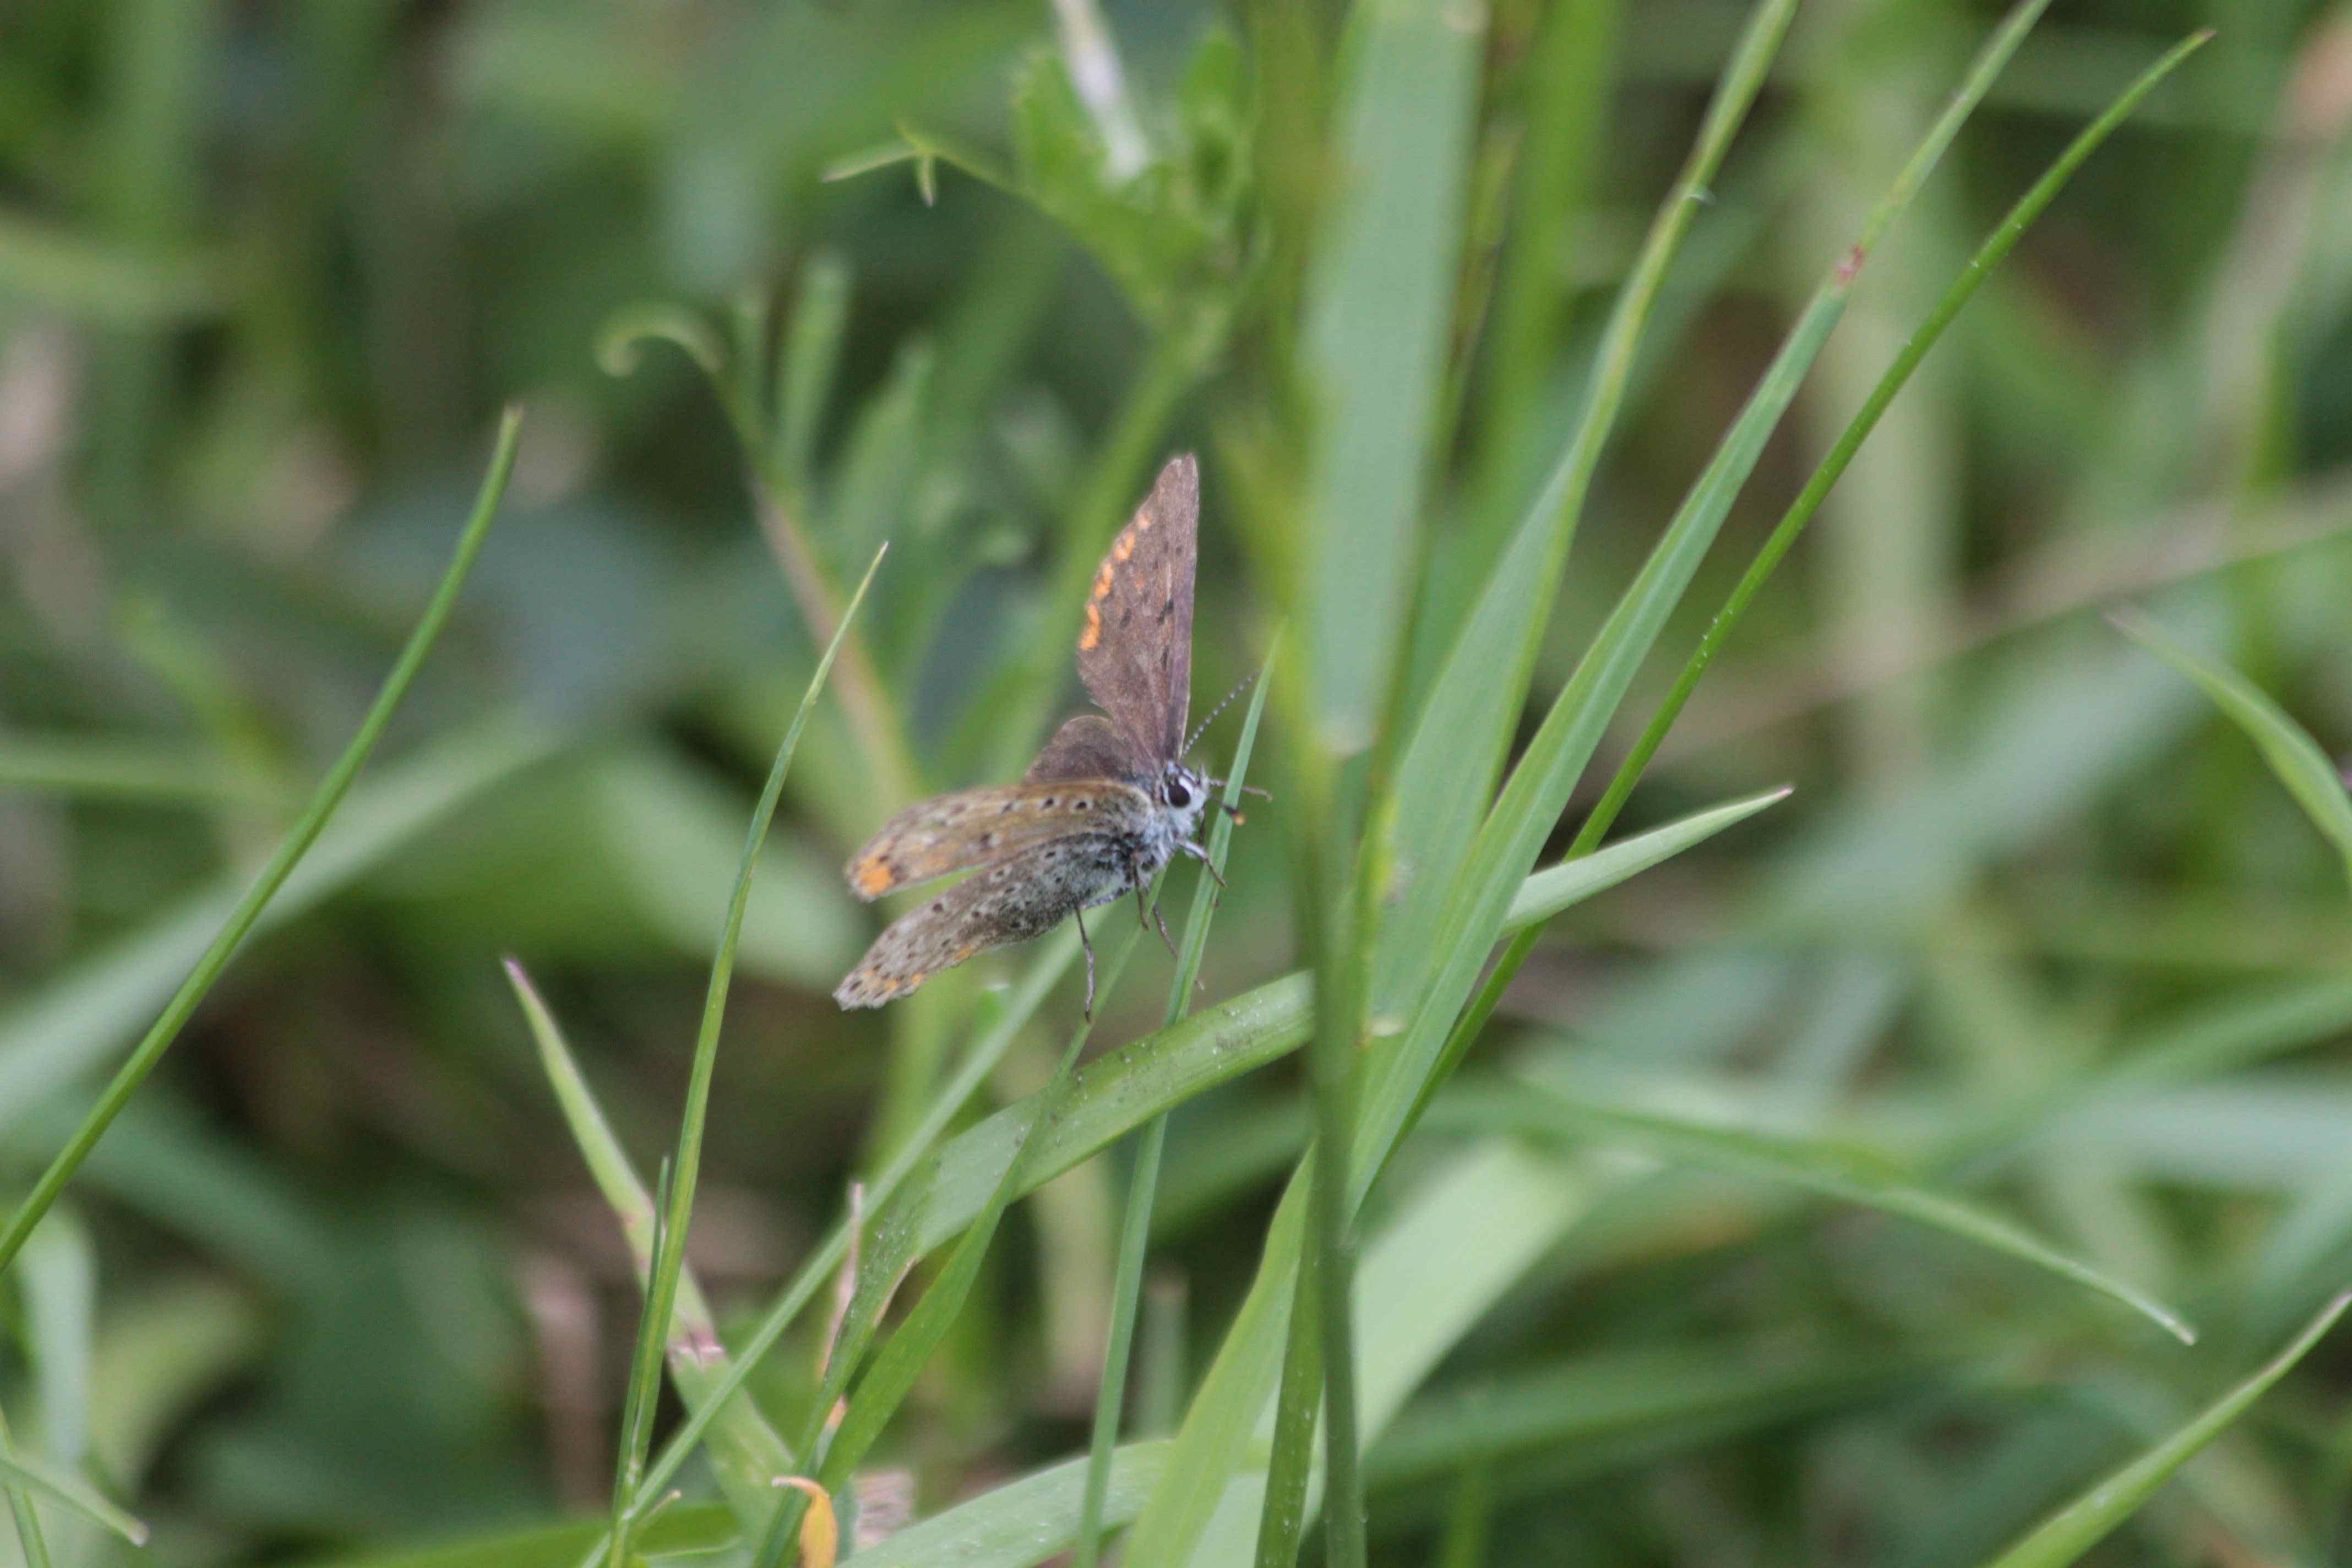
(1013, 900)
(1088, 747)
(1135, 650)
(983, 827)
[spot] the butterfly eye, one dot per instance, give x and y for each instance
(1178, 795)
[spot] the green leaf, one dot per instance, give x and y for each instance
(2083, 1523)
(1847, 1170)
(2293, 757)
(1378, 326)
(289, 853)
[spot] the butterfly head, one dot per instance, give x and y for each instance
(1184, 792)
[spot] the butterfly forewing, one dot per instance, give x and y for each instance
(984, 827)
(1013, 900)
(1135, 650)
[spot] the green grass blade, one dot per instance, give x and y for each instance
(1555, 888)
(1059, 950)
(900, 1362)
(1990, 255)
(1467, 1027)
(2291, 754)
(1399, 1076)
(746, 1453)
(1375, 342)
(1447, 1255)
(1446, 772)
(298, 841)
(1434, 1270)
(1297, 1408)
(2083, 1523)
(645, 1371)
(669, 1258)
(1143, 1183)
(1567, 95)
(1838, 1170)
(22, 1470)
(1216, 1436)
(31, 1541)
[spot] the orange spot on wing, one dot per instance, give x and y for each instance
(1103, 580)
(874, 878)
(1093, 634)
(1126, 545)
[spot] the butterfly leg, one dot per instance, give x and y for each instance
(1088, 948)
(1197, 853)
(1162, 922)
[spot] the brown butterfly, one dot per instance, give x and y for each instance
(1105, 807)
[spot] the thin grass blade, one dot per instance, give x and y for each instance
(2083, 1523)
(2294, 757)
(901, 1360)
(22, 1470)
(746, 1454)
(1143, 1183)
(1845, 1171)
(1446, 774)
(297, 843)
(1399, 1076)
(31, 1541)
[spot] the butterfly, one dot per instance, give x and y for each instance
(1105, 805)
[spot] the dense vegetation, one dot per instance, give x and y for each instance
(1799, 1115)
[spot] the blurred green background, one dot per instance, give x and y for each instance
(339, 1279)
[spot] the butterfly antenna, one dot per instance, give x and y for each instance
(1222, 703)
